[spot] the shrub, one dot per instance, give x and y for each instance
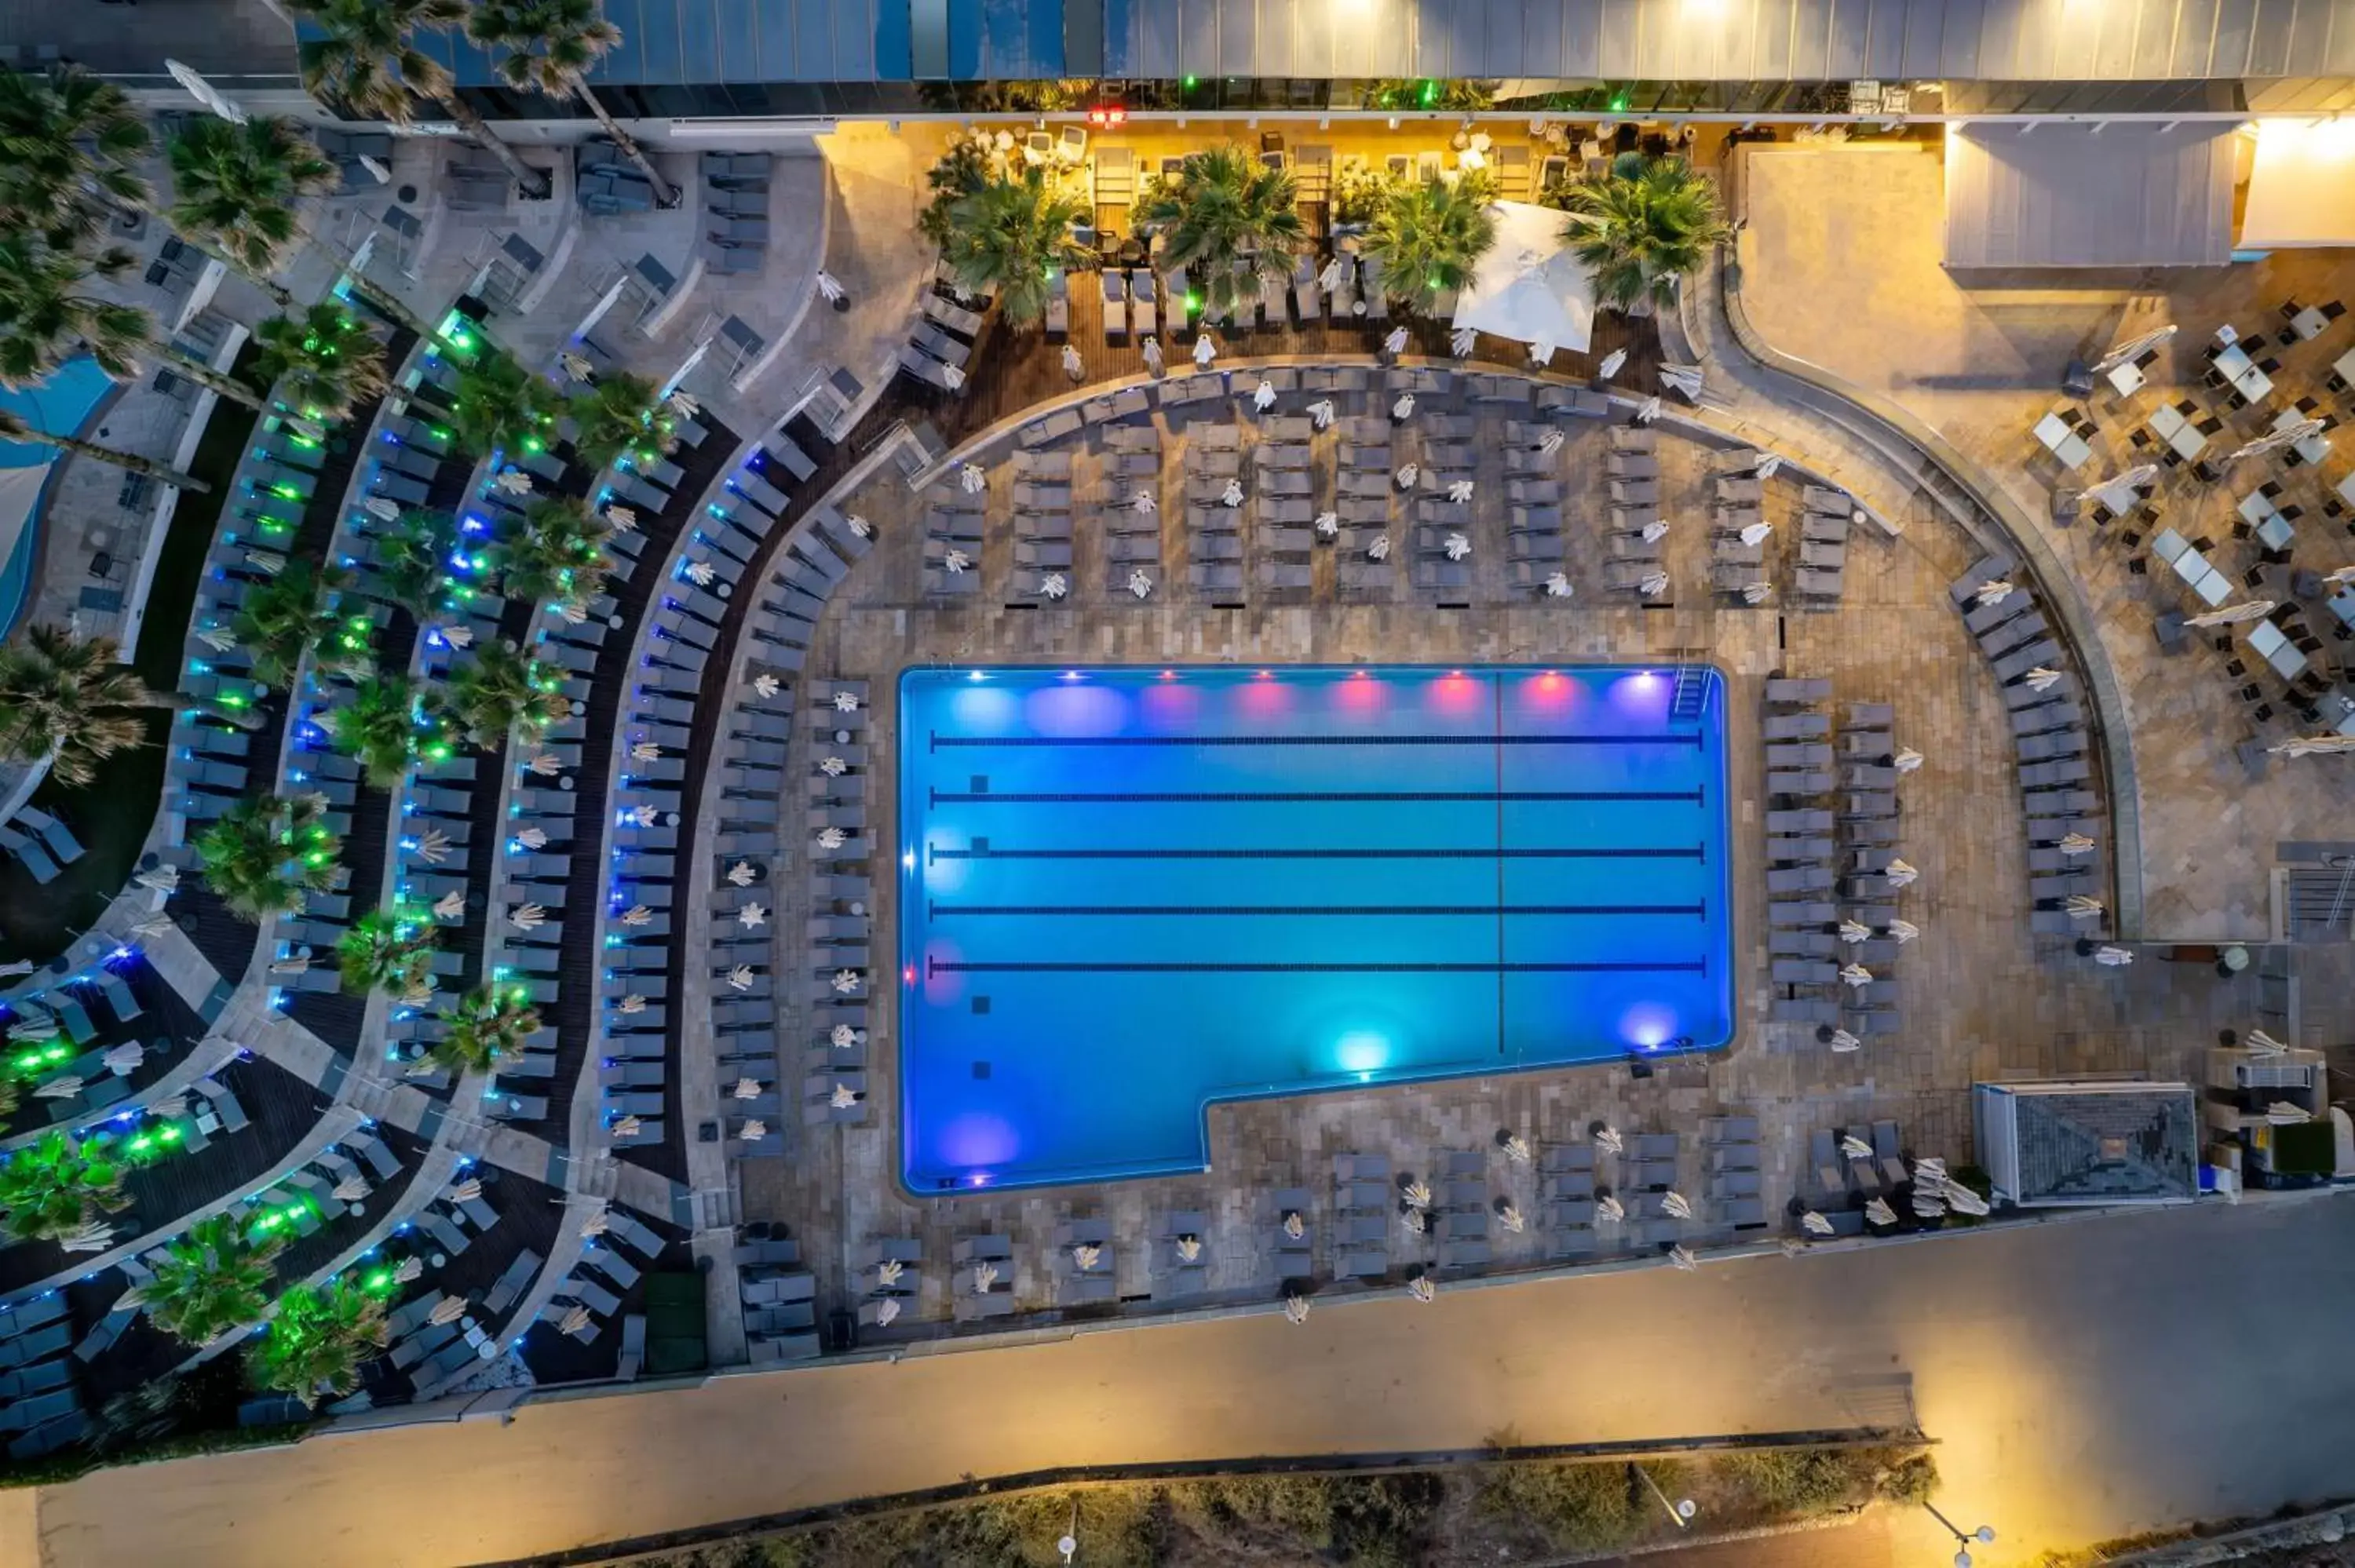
(1792, 1483)
(1911, 1480)
(1578, 1507)
(1385, 1521)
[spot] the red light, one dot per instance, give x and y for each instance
(1107, 114)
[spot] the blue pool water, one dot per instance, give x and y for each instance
(1127, 894)
(60, 405)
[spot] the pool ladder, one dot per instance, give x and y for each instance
(1691, 692)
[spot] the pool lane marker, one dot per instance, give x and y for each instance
(936, 911)
(938, 797)
(1151, 967)
(983, 849)
(938, 742)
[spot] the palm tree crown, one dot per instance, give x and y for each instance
(46, 320)
(379, 726)
(1013, 236)
(484, 1028)
(214, 1277)
(500, 690)
(552, 550)
(389, 950)
(70, 146)
(1429, 236)
(551, 46)
(70, 701)
(287, 617)
(324, 362)
(262, 855)
(318, 1342)
(234, 186)
(58, 1186)
(1642, 227)
(413, 560)
(498, 406)
(622, 416)
(1232, 215)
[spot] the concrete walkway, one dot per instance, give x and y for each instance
(2086, 1380)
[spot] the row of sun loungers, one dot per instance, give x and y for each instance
(941, 340)
(735, 212)
(40, 1407)
(41, 841)
(1817, 886)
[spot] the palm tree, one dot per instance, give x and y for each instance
(287, 617)
(1429, 236)
(70, 701)
(1231, 213)
(13, 427)
(497, 691)
(366, 59)
(551, 46)
(318, 1342)
(324, 362)
(58, 1186)
(262, 855)
(1642, 227)
(379, 726)
(1013, 236)
(498, 406)
(413, 560)
(70, 146)
(45, 320)
(390, 950)
(484, 1028)
(213, 1278)
(552, 550)
(963, 169)
(234, 190)
(622, 414)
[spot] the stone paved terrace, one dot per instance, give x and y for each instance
(1981, 359)
(1981, 999)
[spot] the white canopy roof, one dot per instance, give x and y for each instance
(1529, 287)
(2301, 187)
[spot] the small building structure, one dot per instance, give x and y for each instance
(2066, 1142)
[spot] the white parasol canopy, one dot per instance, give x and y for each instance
(1528, 286)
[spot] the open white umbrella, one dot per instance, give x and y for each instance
(956, 561)
(752, 916)
(1456, 545)
(160, 879)
(1607, 1140)
(1403, 408)
(746, 1089)
(1407, 475)
(1140, 583)
(2281, 1113)
(1907, 760)
(1379, 550)
(740, 978)
(1854, 931)
(2081, 908)
(1263, 394)
(1205, 351)
(1842, 1042)
(630, 1003)
(1462, 341)
(1901, 874)
(974, 478)
(846, 982)
(1154, 361)
(1755, 533)
(1880, 1214)
(2233, 614)
(450, 906)
(1460, 491)
(767, 685)
(2264, 1044)
(843, 1037)
(1675, 1205)
(1295, 1309)
(1814, 1223)
(1143, 503)
(1655, 584)
(832, 838)
(527, 917)
(1613, 363)
(2043, 678)
(2314, 746)
(1608, 1207)
(1903, 931)
(2113, 958)
(741, 873)
(1856, 975)
(1232, 496)
(1681, 1255)
(1421, 1289)
(1557, 585)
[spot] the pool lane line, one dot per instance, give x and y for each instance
(938, 742)
(1319, 797)
(937, 853)
(1151, 967)
(940, 911)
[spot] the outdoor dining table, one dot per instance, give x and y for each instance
(2212, 585)
(2343, 604)
(2272, 529)
(2235, 366)
(2063, 441)
(2314, 447)
(2346, 488)
(2177, 430)
(2337, 713)
(2344, 366)
(2126, 377)
(2269, 643)
(2309, 323)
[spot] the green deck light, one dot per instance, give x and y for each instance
(1429, 93)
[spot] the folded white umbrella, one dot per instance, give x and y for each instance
(1681, 1255)
(753, 1130)
(96, 1236)
(1608, 1207)
(1232, 496)
(1403, 408)
(1540, 353)
(1654, 585)
(160, 879)
(985, 1275)
(1880, 1213)
(545, 764)
(740, 978)
(1205, 351)
(1907, 760)
(60, 1088)
(1756, 593)
(1396, 342)
(1854, 931)
(832, 838)
(293, 964)
(1854, 1148)
(2233, 614)
(1407, 475)
(1189, 1249)
(2043, 678)
(1140, 583)
(1963, 1201)
(843, 1097)
(843, 1036)
(1414, 1219)
(1417, 1194)
(625, 519)
(574, 1320)
(974, 478)
(1264, 395)
(1613, 363)
(1456, 545)
(1327, 524)
(630, 1003)
(2081, 908)
(382, 508)
(412, 1269)
(2112, 956)
(449, 906)
(1656, 530)
(527, 917)
(1756, 534)
(1607, 1140)
(1901, 874)
(1770, 465)
(1085, 1255)
(2281, 1113)
(1073, 365)
(1295, 1309)
(217, 638)
(1674, 1205)
(1421, 1289)
(1153, 359)
(1843, 1041)
(1550, 442)
(1509, 1216)
(449, 1309)
(124, 1060)
(956, 561)
(1517, 1148)
(1380, 549)
(1647, 411)
(1295, 1226)
(1321, 413)
(1557, 585)
(845, 981)
(1462, 341)
(1460, 491)
(746, 1089)
(513, 481)
(1815, 1224)
(1903, 930)
(701, 573)
(1995, 590)
(2264, 1044)
(351, 1190)
(752, 916)
(2313, 745)
(2076, 844)
(1926, 1204)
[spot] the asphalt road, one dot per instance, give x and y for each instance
(2087, 1381)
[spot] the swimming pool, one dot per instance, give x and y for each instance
(1126, 893)
(60, 405)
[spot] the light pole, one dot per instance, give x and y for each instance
(1963, 1539)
